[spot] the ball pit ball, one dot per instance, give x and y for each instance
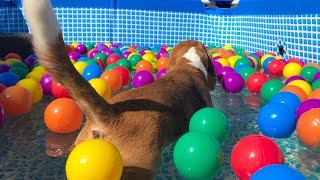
(292, 78)
(113, 78)
(246, 73)
(113, 59)
(223, 71)
(30, 62)
(80, 66)
(276, 121)
(92, 53)
(2, 117)
(126, 54)
(315, 94)
(9, 79)
(291, 69)
(295, 60)
(4, 68)
(125, 63)
(308, 127)
(255, 82)
(162, 63)
(252, 153)
(111, 66)
(33, 87)
(161, 73)
(16, 101)
(275, 68)
(232, 82)
(59, 91)
(125, 74)
(298, 91)
(46, 84)
(267, 61)
(144, 65)
(101, 57)
(291, 100)
(142, 78)
(74, 55)
(12, 55)
(302, 84)
(21, 73)
(212, 122)
(277, 171)
(270, 88)
(216, 65)
(63, 115)
(2, 87)
(197, 156)
(81, 49)
(316, 76)
(101, 87)
(20, 65)
(307, 105)
(89, 46)
(91, 71)
(308, 73)
(224, 62)
(94, 159)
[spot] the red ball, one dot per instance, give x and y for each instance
(59, 91)
(276, 67)
(296, 61)
(256, 81)
(113, 59)
(101, 64)
(252, 153)
(125, 74)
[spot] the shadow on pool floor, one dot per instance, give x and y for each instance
(25, 143)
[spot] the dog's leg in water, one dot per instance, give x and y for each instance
(49, 46)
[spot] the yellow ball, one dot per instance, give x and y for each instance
(149, 56)
(3, 62)
(80, 66)
(153, 62)
(148, 52)
(264, 57)
(233, 59)
(12, 60)
(40, 69)
(36, 75)
(94, 159)
(303, 84)
(108, 44)
(132, 54)
(102, 87)
(75, 44)
(216, 54)
(228, 47)
(33, 87)
(224, 62)
(169, 48)
(291, 69)
(73, 61)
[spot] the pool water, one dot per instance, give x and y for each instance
(28, 150)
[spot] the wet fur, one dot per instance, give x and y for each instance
(139, 122)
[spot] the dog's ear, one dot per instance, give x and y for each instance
(211, 72)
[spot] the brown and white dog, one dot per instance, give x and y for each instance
(139, 122)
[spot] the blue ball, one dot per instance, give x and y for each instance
(274, 120)
(101, 47)
(116, 53)
(146, 47)
(9, 79)
(33, 56)
(242, 66)
(83, 59)
(287, 98)
(91, 71)
(277, 172)
(267, 61)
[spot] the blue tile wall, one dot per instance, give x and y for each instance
(299, 34)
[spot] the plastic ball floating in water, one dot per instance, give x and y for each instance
(277, 171)
(291, 69)
(307, 105)
(113, 78)
(101, 87)
(197, 156)
(94, 159)
(161, 73)
(124, 73)
(309, 73)
(9, 79)
(91, 71)
(33, 87)
(270, 88)
(142, 78)
(59, 91)
(255, 82)
(232, 82)
(302, 84)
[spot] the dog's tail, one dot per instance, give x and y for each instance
(49, 46)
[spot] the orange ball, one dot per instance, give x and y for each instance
(315, 94)
(144, 65)
(312, 64)
(16, 101)
(113, 78)
(63, 115)
(308, 127)
(297, 91)
(162, 63)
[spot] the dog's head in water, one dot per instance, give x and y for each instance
(198, 57)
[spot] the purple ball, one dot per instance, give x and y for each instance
(223, 71)
(252, 62)
(126, 54)
(216, 58)
(113, 46)
(306, 106)
(81, 49)
(232, 82)
(30, 61)
(292, 78)
(142, 53)
(316, 77)
(142, 78)
(217, 65)
(107, 52)
(4, 68)
(93, 53)
(161, 54)
(2, 116)
(74, 55)
(102, 47)
(46, 84)
(100, 44)
(161, 73)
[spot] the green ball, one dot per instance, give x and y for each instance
(308, 73)
(125, 63)
(270, 88)
(134, 59)
(246, 72)
(115, 49)
(138, 49)
(91, 61)
(210, 121)
(241, 54)
(22, 73)
(197, 156)
(20, 65)
(110, 67)
(315, 85)
(36, 65)
(89, 46)
(242, 61)
(155, 50)
(101, 56)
